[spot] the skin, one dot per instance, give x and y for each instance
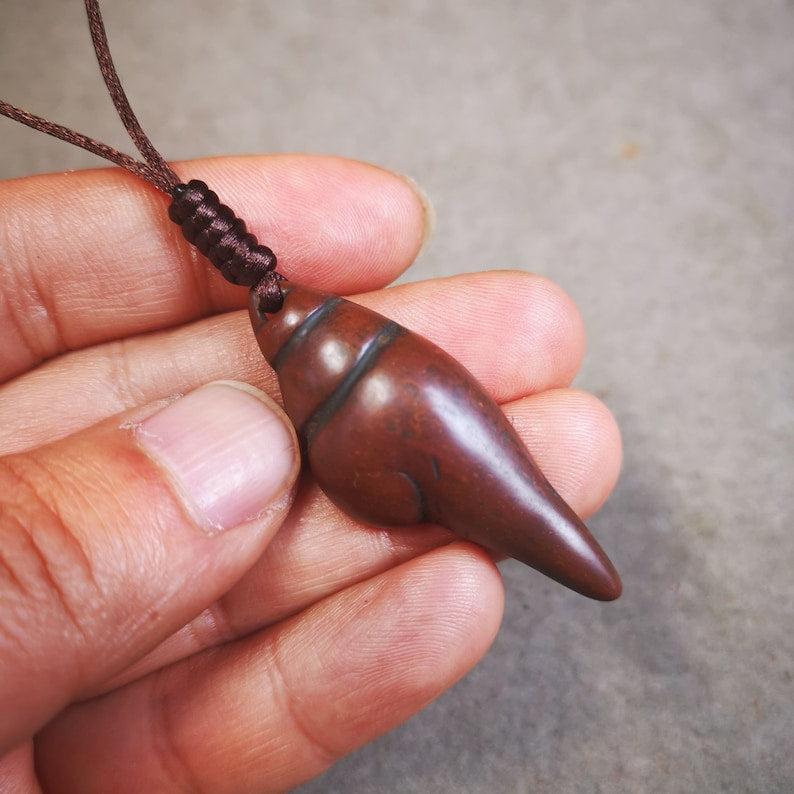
(237, 663)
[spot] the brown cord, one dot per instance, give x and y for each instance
(121, 103)
(140, 169)
(206, 223)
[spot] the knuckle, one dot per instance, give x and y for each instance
(292, 705)
(168, 751)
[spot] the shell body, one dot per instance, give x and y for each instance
(397, 432)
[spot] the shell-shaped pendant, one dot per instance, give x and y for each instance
(397, 432)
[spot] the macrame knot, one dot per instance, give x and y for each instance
(222, 237)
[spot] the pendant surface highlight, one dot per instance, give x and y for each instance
(397, 432)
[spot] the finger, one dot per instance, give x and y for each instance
(112, 539)
(108, 263)
(17, 771)
(319, 550)
(539, 347)
(576, 442)
(275, 709)
(516, 332)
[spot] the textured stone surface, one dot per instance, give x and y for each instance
(640, 154)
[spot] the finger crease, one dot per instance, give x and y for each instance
(120, 373)
(282, 691)
(29, 312)
(209, 629)
(167, 751)
(198, 275)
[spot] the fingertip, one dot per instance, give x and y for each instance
(594, 428)
(429, 216)
(393, 644)
(576, 441)
(452, 604)
(468, 588)
(229, 451)
(557, 327)
(335, 224)
(516, 332)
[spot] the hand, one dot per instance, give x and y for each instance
(175, 612)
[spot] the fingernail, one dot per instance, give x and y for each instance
(229, 450)
(427, 207)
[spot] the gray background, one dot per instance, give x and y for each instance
(640, 154)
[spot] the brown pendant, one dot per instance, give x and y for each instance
(397, 432)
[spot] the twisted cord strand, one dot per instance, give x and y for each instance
(166, 179)
(139, 168)
(206, 223)
(153, 168)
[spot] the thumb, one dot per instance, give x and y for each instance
(113, 538)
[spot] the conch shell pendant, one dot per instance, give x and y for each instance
(397, 433)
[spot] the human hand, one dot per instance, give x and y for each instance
(139, 651)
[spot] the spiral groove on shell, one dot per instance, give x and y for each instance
(223, 238)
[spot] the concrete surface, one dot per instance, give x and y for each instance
(639, 153)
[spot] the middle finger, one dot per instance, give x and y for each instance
(539, 348)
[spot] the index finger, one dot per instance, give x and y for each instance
(91, 256)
